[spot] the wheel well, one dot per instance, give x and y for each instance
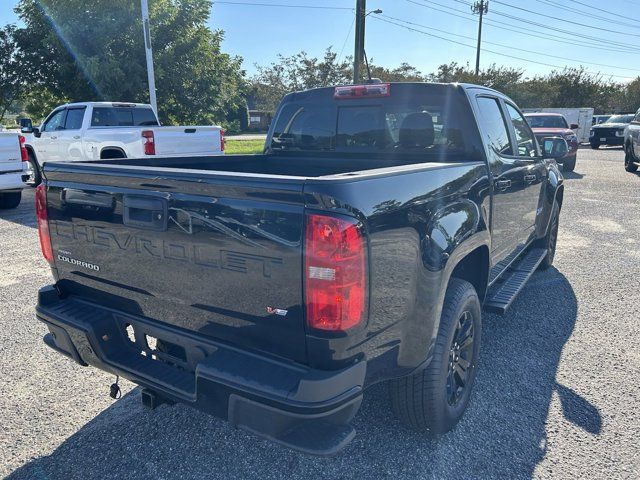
(112, 152)
(474, 268)
(30, 149)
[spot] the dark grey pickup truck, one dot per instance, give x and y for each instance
(271, 290)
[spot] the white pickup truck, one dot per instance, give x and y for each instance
(13, 158)
(78, 132)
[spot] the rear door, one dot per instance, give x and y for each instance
(210, 254)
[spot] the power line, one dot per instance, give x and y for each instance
(590, 15)
(490, 51)
(509, 46)
(624, 46)
(533, 33)
(564, 19)
(344, 44)
(605, 11)
(282, 5)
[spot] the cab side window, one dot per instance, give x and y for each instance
(637, 118)
(55, 122)
(493, 125)
(74, 118)
(527, 146)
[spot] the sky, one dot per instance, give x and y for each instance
(603, 37)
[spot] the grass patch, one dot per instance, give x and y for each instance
(243, 146)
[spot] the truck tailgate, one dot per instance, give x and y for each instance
(10, 160)
(183, 141)
(212, 254)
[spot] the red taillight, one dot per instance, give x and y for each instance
(363, 91)
(221, 140)
(149, 142)
(335, 273)
(23, 149)
(43, 222)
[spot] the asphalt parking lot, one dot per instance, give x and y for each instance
(557, 393)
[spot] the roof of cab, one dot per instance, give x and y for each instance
(105, 104)
(542, 114)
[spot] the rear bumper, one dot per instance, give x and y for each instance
(12, 180)
(305, 409)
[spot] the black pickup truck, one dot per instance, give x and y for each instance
(271, 290)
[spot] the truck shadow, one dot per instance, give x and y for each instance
(25, 213)
(572, 175)
(502, 435)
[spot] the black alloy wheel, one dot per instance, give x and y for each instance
(461, 353)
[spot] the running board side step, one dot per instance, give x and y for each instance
(501, 296)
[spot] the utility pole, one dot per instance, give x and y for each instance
(482, 8)
(358, 53)
(149, 53)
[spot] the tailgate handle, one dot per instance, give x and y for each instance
(149, 213)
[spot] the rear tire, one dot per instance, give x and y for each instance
(434, 399)
(10, 199)
(629, 160)
(550, 240)
(595, 146)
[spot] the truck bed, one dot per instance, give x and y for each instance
(269, 164)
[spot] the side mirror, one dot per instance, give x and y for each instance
(574, 126)
(36, 132)
(26, 125)
(554, 147)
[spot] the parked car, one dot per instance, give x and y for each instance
(632, 144)
(99, 130)
(610, 132)
(272, 290)
(13, 157)
(550, 124)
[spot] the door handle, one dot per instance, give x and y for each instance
(52, 137)
(76, 137)
(503, 184)
(530, 178)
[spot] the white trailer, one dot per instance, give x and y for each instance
(578, 116)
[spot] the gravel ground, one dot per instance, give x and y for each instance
(556, 395)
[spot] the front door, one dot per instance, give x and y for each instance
(70, 137)
(531, 170)
(47, 146)
(505, 211)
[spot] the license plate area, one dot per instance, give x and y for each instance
(603, 139)
(161, 356)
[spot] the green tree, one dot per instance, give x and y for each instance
(297, 72)
(82, 51)
(12, 70)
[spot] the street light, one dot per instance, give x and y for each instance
(361, 15)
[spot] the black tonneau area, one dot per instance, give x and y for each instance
(310, 166)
